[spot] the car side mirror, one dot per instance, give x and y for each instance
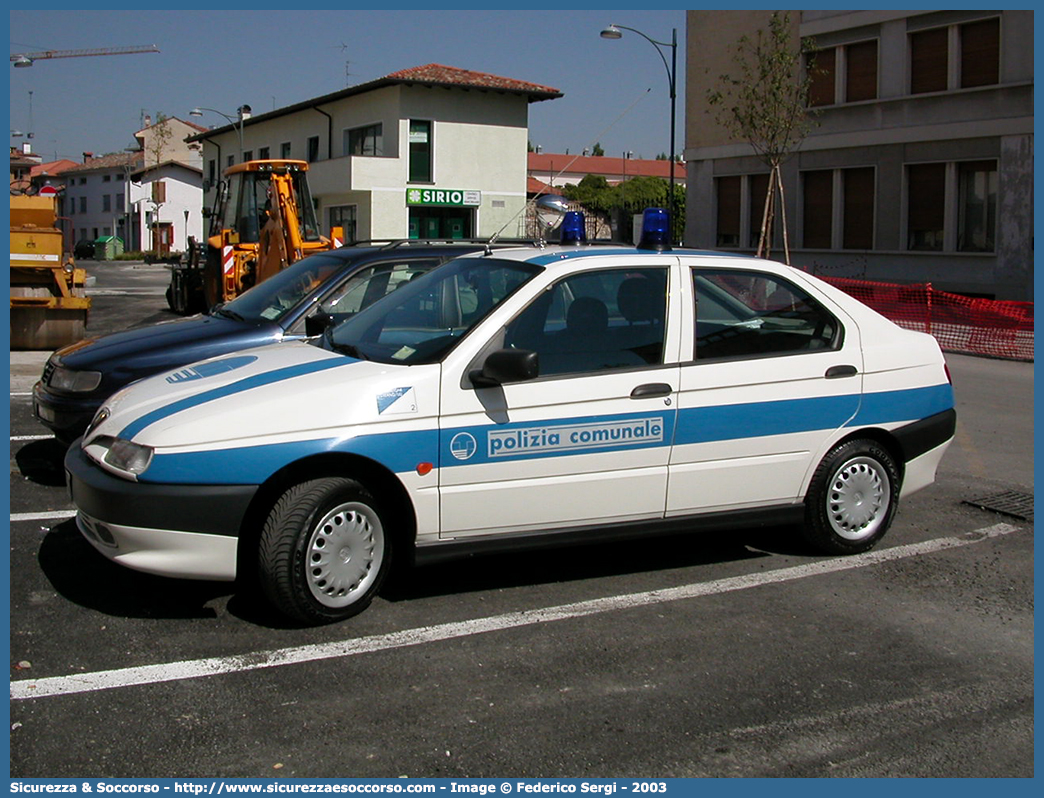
(318, 323)
(506, 365)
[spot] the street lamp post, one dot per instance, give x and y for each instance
(614, 32)
(242, 113)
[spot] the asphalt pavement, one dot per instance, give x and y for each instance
(735, 655)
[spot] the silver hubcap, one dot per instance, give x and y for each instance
(857, 502)
(345, 552)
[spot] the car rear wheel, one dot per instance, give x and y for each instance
(324, 550)
(852, 498)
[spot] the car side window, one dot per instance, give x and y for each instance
(743, 314)
(595, 321)
(368, 285)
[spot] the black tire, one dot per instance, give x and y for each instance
(325, 550)
(852, 498)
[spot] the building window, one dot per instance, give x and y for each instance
(822, 76)
(367, 140)
(926, 203)
(928, 53)
(861, 71)
(977, 206)
(212, 171)
(729, 191)
(231, 161)
(980, 53)
(313, 149)
(846, 73)
(838, 208)
(119, 202)
(262, 154)
(284, 150)
(420, 151)
(818, 209)
(83, 205)
(857, 209)
(106, 202)
(976, 61)
(741, 205)
(106, 178)
(248, 155)
(344, 216)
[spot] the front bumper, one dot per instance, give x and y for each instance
(66, 416)
(185, 531)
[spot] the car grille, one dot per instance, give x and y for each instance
(47, 372)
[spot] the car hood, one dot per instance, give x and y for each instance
(263, 393)
(165, 345)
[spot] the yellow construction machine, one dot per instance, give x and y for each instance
(49, 305)
(262, 220)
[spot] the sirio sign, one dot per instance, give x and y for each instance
(454, 197)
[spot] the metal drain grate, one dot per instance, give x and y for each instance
(1008, 502)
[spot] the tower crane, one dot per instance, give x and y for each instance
(27, 59)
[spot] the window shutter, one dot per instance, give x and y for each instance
(858, 230)
(728, 211)
(928, 50)
(861, 77)
(821, 66)
(980, 53)
(819, 201)
(926, 192)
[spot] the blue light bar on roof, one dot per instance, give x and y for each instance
(656, 230)
(573, 230)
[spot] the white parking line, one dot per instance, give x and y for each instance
(30, 437)
(51, 516)
(213, 666)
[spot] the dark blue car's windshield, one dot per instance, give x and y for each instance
(423, 319)
(281, 293)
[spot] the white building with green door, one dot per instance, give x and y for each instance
(428, 152)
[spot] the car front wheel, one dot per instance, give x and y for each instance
(324, 550)
(852, 498)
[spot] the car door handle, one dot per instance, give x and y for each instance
(834, 372)
(651, 390)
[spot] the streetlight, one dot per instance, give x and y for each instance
(243, 113)
(614, 32)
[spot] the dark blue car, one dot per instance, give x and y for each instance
(79, 377)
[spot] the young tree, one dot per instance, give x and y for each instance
(157, 143)
(766, 104)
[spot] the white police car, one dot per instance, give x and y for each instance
(516, 397)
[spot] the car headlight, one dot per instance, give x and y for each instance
(72, 381)
(123, 455)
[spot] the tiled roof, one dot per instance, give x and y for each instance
(53, 167)
(554, 163)
(113, 159)
(429, 74)
(440, 75)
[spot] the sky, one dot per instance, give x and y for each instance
(616, 92)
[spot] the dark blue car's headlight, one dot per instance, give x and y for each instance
(73, 381)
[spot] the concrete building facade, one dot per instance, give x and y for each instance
(919, 167)
(428, 152)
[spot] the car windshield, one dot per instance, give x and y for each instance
(281, 293)
(422, 320)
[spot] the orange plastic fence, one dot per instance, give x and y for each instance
(960, 324)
